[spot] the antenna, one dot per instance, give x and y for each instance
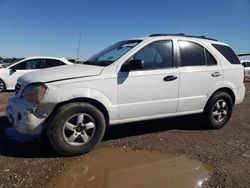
(79, 42)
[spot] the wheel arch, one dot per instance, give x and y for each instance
(227, 90)
(91, 101)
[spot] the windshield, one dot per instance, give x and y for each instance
(5, 65)
(112, 53)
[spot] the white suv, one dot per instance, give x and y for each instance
(9, 73)
(139, 79)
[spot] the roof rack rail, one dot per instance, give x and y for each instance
(181, 35)
(245, 54)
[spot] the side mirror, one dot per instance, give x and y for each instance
(132, 65)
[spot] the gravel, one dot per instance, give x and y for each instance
(31, 162)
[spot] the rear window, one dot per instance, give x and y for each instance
(210, 59)
(192, 54)
(228, 53)
(52, 63)
(246, 64)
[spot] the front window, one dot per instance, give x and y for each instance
(156, 55)
(29, 64)
(112, 53)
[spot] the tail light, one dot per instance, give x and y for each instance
(245, 76)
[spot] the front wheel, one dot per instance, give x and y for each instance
(76, 128)
(218, 110)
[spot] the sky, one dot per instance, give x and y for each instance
(52, 27)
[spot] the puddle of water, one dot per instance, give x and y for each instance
(12, 133)
(123, 168)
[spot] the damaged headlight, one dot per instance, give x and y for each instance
(34, 92)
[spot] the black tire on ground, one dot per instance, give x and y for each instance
(2, 86)
(212, 112)
(56, 126)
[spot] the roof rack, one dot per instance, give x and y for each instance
(181, 35)
(245, 54)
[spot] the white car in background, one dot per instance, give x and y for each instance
(246, 64)
(10, 73)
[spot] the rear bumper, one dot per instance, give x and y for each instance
(22, 115)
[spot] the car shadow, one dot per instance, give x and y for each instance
(14, 144)
(188, 123)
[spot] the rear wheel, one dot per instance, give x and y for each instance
(76, 128)
(218, 110)
(2, 86)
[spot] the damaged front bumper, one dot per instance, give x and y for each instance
(24, 116)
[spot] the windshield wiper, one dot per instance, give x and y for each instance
(89, 63)
(101, 63)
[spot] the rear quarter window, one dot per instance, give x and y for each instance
(228, 53)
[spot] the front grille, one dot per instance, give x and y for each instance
(17, 88)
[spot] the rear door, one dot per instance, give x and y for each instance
(199, 73)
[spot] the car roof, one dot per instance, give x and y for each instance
(44, 57)
(49, 57)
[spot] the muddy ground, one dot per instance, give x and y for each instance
(31, 162)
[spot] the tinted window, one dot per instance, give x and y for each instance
(52, 63)
(29, 64)
(20, 66)
(192, 54)
(228, 53)
(156, 55)
(210, 59)
(246, 64)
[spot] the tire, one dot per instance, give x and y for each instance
(76, 128)
(218, 110)
(2, 86)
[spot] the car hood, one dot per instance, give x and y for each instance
(64, 72)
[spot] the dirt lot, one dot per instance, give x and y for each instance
(31, 162)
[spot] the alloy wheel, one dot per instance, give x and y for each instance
(79, 129)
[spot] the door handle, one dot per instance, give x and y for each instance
(169, 78)
(216, 74)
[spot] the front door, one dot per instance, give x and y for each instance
(152, 91)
